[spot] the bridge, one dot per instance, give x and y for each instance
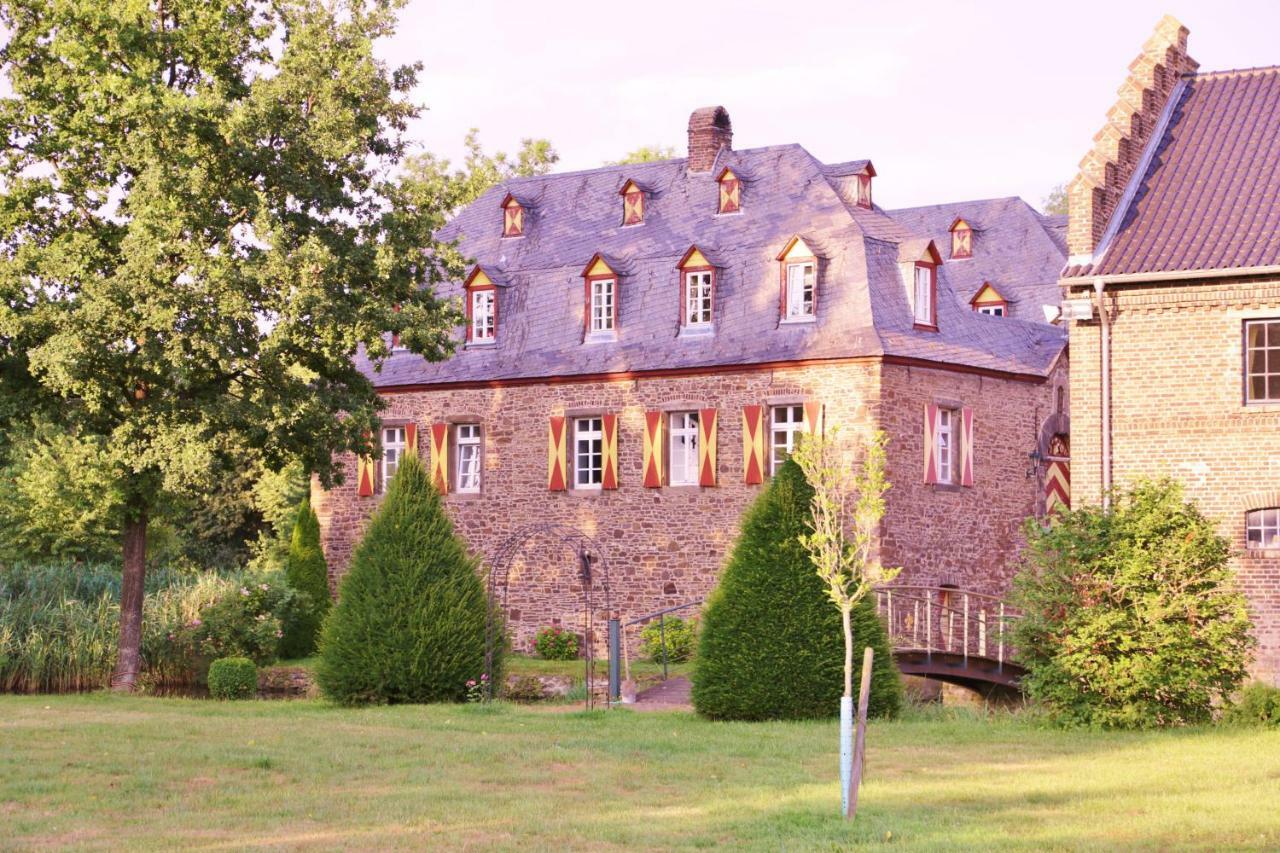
(952, 635)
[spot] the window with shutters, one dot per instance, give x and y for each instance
(944, 445)
(468, 456)
(1262, 528)
(588, 453)
(924, 304)
(1262, 361)
(393, 444)
(787, 424)
(698, 298)
(684, 448)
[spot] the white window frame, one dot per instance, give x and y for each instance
(468, 456)
(483, 324)
(699, 294)
(944, 445)
(394, 441)
(1269, 350)
(922, 304)
(604, 293)
(1265, 524)
(785, 424)
(802, 290)
(991, 310)
(682, 458)
(588, 452)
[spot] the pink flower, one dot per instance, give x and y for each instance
(196, 623)
(244, 592)
(484, 677)
(471, 682)
(263, 587)
(279, 633)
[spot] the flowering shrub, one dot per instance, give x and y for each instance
(555, 643)
(478, 689)
(681, 636)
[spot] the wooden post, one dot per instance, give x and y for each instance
(859, 746)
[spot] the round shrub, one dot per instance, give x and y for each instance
(308, 574)
(412, 612)
(555, 643)
(1257, 705)
(681, 638)
(233, 678)
(772, 643)
(1131, 618)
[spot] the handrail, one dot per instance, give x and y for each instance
(923, 619)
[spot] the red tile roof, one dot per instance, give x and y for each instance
(1210, 195)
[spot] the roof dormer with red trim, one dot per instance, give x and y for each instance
(730, 192)
(481, 307)
(633, 199)
(961, 240)
(864, 186)
(513, 217)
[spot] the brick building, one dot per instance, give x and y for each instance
(644, 343)
(1174, 238)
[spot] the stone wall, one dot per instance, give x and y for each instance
(1178, 409)
(666, 546)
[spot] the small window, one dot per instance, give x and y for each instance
(602, 304)
(1262, 361)
(788, 423)
(730, 192)
(801, 288)
(1262, 528)
(944, 445)
(393, 444)
(512, 218)
(698, 295)
(961, 240)
(923, 306)
(467, 475)
(588, 456)
(632, 204)
(991, 310)
(483, 317)
(864, 191)
(684, 449)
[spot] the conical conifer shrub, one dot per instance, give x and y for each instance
(410, 621)
(772, 644)
(307, 573)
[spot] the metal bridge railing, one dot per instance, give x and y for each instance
(946, 620)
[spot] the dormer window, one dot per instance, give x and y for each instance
(730, 192)
(924, 305)
(864, 189)
(512, 217)
(799, 285)
(918, 259)
(632, 203)
(698, 283)
(481, 308)
(989, 301)
(600, 300)
(961, 240)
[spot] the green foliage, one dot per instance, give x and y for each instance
(555, 643)
(58, 624)
(429, 177)
(1257, 705)
(771, 644)
(645, 154)
(1131, 619)
(233, 678)
(524, 688)
(308, 574)
(1057, 203)
(681, 639)
(411, 618)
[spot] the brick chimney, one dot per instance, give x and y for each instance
(1106, 170)
(709, 131)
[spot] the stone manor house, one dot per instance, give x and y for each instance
(644, 343)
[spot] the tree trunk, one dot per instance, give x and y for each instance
(129, 656)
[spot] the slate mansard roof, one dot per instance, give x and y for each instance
(1206, 195)
(863, 307)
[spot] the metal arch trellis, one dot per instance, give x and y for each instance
(593, 571)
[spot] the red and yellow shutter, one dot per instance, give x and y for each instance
(366, 473)
(440, 457)
(753, 444)
(652, 449)
(609, 474)
(930, 452)
(730, 193)
(632, 207)
(557, 456)
(966, 447)
(1057, 478)
(706, 447)
(812, 417)
(513, 220)
(411, 439)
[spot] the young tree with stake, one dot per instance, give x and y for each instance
(199, 230)
(842, 545)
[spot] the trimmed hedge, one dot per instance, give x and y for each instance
(771, 643)
(233, 678)
(308, 575)
(410, 621)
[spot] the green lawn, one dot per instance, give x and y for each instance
(104, 771)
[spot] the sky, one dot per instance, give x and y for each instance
(950, 100)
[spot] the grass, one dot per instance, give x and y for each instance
(102, 771)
